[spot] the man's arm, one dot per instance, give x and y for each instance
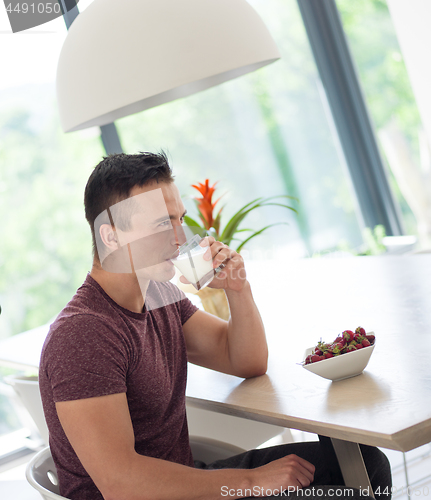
(101, 433)
(237, 347)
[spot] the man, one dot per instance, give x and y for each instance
(113, 367)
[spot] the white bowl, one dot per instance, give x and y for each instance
(340, 367)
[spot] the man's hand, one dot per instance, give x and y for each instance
(233, 276)
(288, 472)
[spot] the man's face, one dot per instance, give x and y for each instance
(154, 231)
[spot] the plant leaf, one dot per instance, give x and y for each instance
(282, 196)
(232, 226)
(279, 205)
(216, 222)
(191, 222)
(233, 223)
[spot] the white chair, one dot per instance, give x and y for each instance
(42, 475)
(27, 389)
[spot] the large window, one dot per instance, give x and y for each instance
(392, 106)
(264, 134)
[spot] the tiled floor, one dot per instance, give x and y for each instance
(13, 485)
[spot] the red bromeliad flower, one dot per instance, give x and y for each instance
(206, 206)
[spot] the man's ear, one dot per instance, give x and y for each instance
(108, 235)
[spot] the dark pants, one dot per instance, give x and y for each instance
(326, 482)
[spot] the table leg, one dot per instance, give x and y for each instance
(352, 465)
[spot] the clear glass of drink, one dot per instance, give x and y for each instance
(189, 260)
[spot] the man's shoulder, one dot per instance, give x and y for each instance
(88, 310)
(76, 326)
(89, 300)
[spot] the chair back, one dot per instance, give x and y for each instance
(42, 475)
(27, 389)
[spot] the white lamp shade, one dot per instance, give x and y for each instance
(123, 56)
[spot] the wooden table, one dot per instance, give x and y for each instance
(389, 405)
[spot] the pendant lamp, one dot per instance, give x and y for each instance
(124, 56)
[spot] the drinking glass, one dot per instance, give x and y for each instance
(189, 260)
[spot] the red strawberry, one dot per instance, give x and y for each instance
(366, 343)
(328, 354)
(360, 330)
(315, 358)
(318, 351)
(371, 338)
(359, 346)
(348, 335)
(308, 359)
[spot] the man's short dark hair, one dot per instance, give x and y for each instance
(115, 176)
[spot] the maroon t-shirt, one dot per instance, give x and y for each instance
(96, 347)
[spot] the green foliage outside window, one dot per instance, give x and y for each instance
(45, 247)
(383, 77)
